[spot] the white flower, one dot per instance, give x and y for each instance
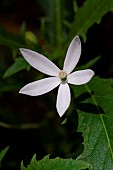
(58, 77)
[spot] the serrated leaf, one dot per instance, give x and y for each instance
(91, 12)
(96, 122)
(55, 164)
(19, 64)
(3, 152)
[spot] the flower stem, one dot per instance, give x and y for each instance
(58, 17)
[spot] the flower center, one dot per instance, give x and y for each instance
(63, 75)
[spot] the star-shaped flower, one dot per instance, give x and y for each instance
(58, 77)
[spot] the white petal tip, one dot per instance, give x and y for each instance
(23, 91)
(60, 113)
(77, 39)
(22, 49)
(92, 73)
(25, 50)
(20, 92)
(26, 93)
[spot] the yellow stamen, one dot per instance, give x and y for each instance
(63, 75)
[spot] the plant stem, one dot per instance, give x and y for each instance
(58, 17)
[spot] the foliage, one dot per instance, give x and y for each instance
(3, 152)
(57, 163)
(91, 12)
(18, 65)
(94, 105)
(91, 104)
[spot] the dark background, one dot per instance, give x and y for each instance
(27, 124)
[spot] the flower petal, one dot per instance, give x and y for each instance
(80, 77)
(40, 62)
(63, 98)
(40, 87)
(73, 55)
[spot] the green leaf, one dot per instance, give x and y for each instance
(30, 38)
(19, 64)
(91, 12)
(3, 152)
(89, 64)
(55, 164)
(94, 103)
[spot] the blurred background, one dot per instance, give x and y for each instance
(31, 125)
